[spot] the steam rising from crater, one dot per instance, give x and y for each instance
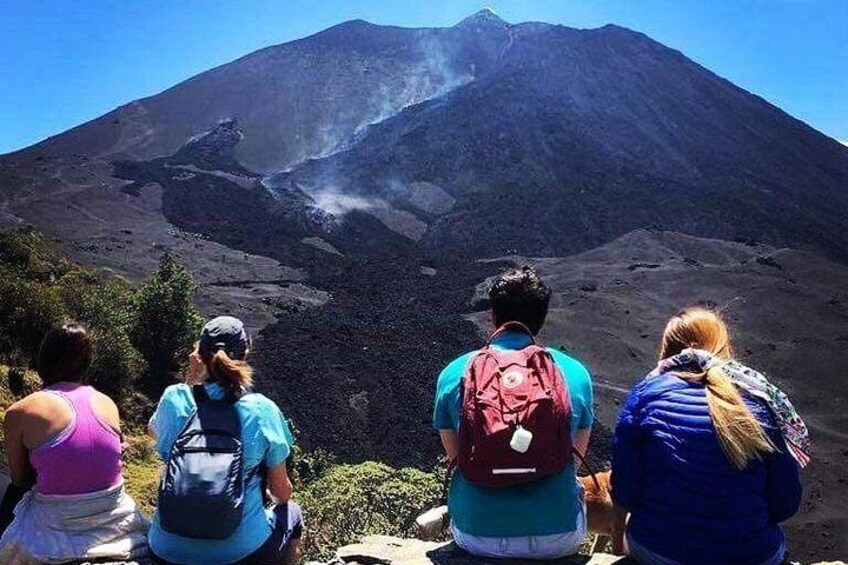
(433, 76)
(338, 204)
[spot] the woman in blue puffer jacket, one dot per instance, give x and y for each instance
(706, 454)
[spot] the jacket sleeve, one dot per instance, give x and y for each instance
(783, 484)
(627, 453)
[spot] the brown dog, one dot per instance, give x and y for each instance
(603, 517)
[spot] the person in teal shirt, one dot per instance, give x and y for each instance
(543, 519)
(265, 535)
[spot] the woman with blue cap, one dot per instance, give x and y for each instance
(223, 445)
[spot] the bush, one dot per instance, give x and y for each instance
(165, 322)
(142, 471)
(30, 256)
(350, 501)
(28, 309)
(140, 338)
(103, 306)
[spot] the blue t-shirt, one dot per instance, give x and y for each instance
(265, 437)
(543, 507)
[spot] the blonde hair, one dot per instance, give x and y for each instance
(740, 435)
(235, 374)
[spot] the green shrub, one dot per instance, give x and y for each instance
(141, 338)
(29, 255)
(102, 304)
(28, 309)
(165, 322)
(350, 501)
(142, 471)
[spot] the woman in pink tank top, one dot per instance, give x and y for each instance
(64, 445)
(85, 456)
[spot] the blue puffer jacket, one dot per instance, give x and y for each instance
(687, 502)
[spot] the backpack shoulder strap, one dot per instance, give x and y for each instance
(200, 395)
(212, 414)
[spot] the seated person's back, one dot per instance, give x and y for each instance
(501, 521)
(75, 434)
(690, 499)
(266, 441)
(64, 443)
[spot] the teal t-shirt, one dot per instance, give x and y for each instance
(265, 438)
(544, 507)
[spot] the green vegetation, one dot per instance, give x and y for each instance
(40, 289)
(349, 501)
(142, 469)
(142, 337)
(165, 321)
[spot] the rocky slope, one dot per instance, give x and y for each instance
(574, 127)
(443, 133)
(298, 99)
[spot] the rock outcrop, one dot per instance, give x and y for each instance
(387, 550)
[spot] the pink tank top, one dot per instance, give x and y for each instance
(85, 457)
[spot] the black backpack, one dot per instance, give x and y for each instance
(202, 491)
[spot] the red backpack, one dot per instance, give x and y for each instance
(506, 394)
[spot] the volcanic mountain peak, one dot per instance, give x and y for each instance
(526, 124)
(486, 16)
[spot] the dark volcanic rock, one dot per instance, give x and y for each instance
(358, 375)
(213, 150)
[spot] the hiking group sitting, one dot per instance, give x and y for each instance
(706, 453)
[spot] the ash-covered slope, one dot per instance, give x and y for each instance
(579, 136)
(295, 100)
(562, 139)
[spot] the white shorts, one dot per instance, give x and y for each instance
(553, 546)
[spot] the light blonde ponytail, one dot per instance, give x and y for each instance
(740, 435)
(235, 374)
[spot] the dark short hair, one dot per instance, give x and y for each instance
(65, 355)
(520, 295)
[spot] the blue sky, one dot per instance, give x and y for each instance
(67, 62)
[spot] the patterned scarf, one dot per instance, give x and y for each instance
(755, 385)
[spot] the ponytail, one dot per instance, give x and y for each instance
(740, 435)
(234, 374)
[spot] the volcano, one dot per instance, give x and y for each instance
(348, 192)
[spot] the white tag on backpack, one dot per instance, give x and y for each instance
(521, 439)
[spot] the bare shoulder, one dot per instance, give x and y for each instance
(106, 409)
(104, 400)
(35, 409)
(104, 403)
(14, 413)
(32, 403)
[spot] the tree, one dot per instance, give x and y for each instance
(164, 322)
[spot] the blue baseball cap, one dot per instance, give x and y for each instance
(224, 333)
